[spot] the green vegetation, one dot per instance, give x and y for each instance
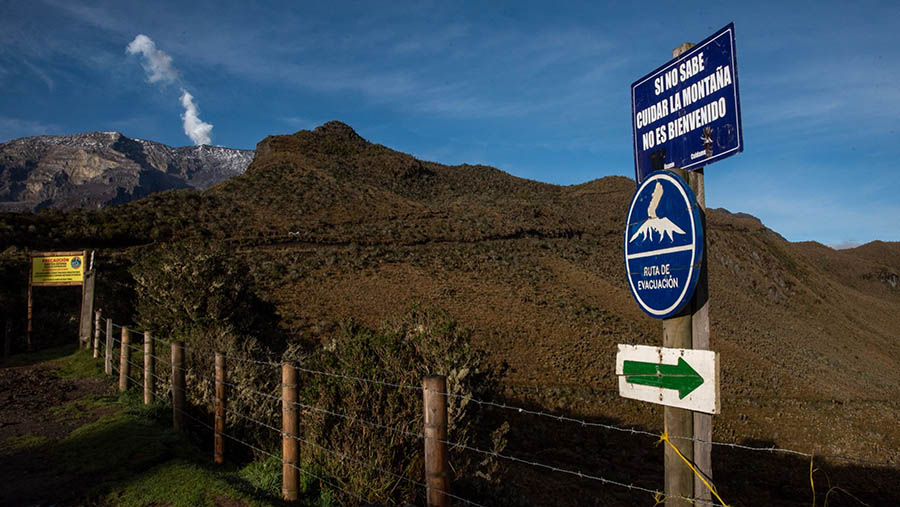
(195, 284)
(200, 293)
(373, 459)
(40, 356)
(264, 475)
(133, 458)
(83, 407)
(80, 364)
(26, 441)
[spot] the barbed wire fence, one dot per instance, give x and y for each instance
(163, 375)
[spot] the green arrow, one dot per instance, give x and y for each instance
(680, 376)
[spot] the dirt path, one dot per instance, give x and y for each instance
(37, 409)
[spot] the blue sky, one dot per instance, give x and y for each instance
(540, 90)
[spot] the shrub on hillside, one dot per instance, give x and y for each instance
(202, 294)
(199, 284)
(365, 436)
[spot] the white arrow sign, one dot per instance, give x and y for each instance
(683, 378)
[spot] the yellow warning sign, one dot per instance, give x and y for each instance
(57, 269)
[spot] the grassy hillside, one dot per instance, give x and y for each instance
(334, 227)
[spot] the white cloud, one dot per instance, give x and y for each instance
(198, 130)
(159, 68)
(156, 63)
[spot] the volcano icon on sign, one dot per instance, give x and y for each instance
(662, 225)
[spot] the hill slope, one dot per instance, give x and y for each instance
(339, 227)
(336, 227)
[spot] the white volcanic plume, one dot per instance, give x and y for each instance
(195, 128)
(159, 68)
(156, 63)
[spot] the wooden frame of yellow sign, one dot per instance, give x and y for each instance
(55, 269)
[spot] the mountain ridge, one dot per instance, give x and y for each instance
(96, 169)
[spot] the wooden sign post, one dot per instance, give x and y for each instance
(59, 269)
(690, 330)
(702, 422)
(87, 309)
(686, 114)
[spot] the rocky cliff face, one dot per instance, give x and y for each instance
(97, 169)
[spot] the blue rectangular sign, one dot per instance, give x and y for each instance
(687, 113)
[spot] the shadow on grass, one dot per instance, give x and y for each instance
(743, 477)
(39, 356)
(130, 457)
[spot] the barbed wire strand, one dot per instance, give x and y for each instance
(253, 391)
(361, 421)
(257, 449)
(130, 329)
(160, 359)
(388, 472)
(454, 444)
(582, 422)
(138, 366)
(160, 379)
(162, 340)
(329, 412)
(343, 456)
(131, 379)
(656, 493)
(250, 419)
(230, 357)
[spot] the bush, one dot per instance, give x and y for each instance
(371, 459)
(199, 284)
(202, 294)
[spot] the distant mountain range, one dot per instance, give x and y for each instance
(97, 169)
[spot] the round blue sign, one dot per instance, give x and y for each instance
(663, 244)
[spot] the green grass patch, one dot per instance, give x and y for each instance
(82, 408)
(26, 441)
(264, 475)
(40, 356)
(179, 483)
(70, 361)
(131, 456)
(79, 364)
(117, 445)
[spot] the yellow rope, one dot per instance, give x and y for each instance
(659, 498)
(665, 438)
(811, 483)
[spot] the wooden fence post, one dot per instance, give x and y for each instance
(219, 438)
(290, 427)
(30, 308)
(5, 338)
(178, 385)
(109, 346)
(437, 478)
(124, 360)
(97, 317)
(148, 368)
